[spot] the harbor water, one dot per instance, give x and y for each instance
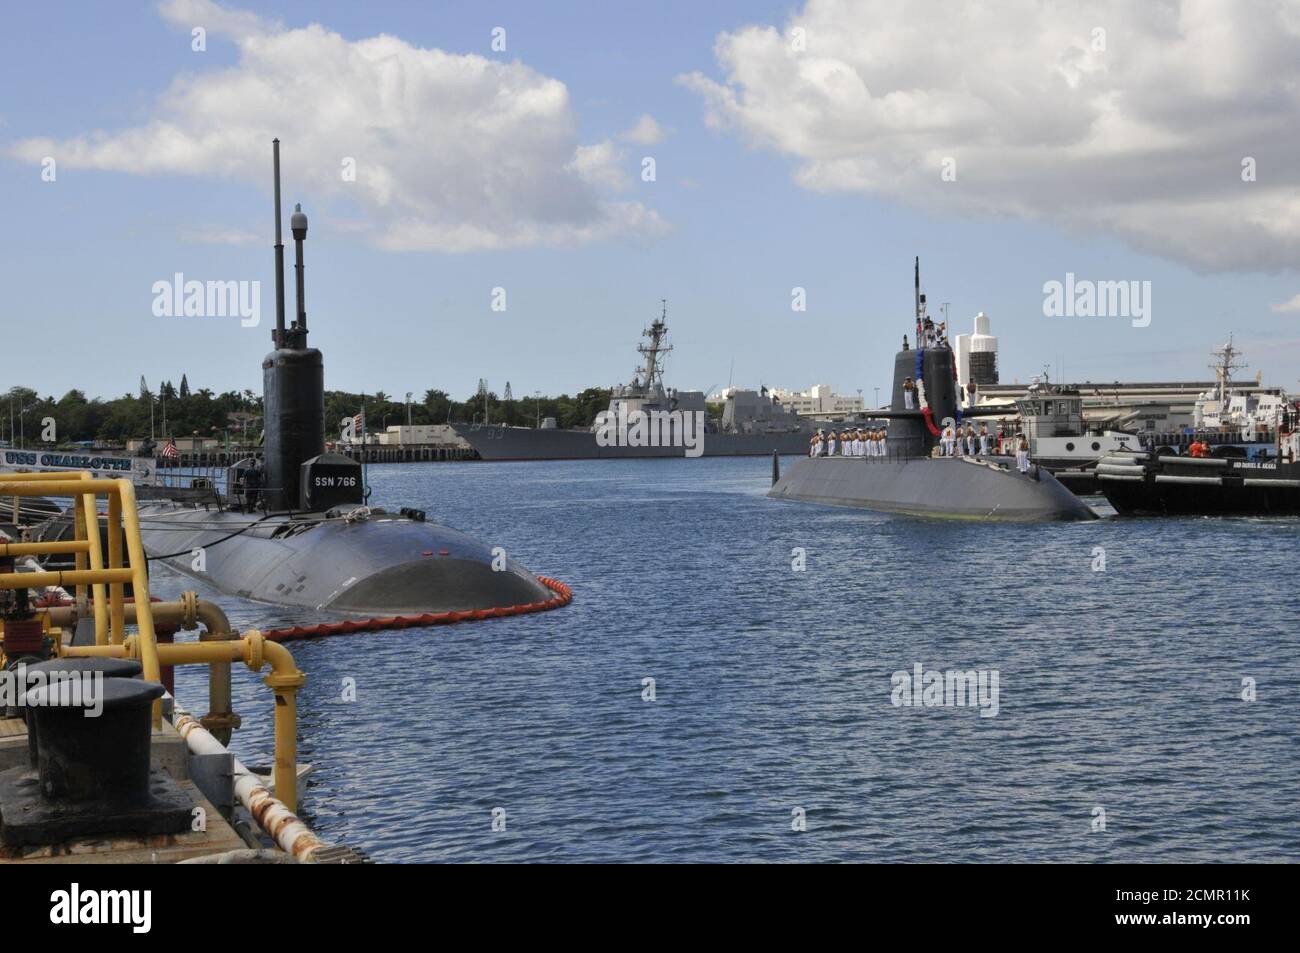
(771, 631)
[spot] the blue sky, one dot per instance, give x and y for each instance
(743, 209)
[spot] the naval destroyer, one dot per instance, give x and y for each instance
(752, 424)
(909, 479)
(294, 527)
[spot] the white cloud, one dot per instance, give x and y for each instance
(1288, 307)
(1143, 139)
(453, 152)
(599, 165)
(646, 132)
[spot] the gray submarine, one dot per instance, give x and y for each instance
(910, 480)
(297, 531)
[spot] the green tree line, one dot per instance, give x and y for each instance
(179, 412)
(437, 407)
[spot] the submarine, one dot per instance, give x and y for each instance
(294, 528)
(910, 480)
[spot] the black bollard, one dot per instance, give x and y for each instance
(95, 757)
(73, 668)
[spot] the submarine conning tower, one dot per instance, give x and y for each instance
(293, 385)
(931, 368)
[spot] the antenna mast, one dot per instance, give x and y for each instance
(656, 332)
(278, 335)
(920, 300)
(1224, 367)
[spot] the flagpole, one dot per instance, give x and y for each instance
(365, 472)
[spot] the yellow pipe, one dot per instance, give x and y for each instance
(140, 588)
(32, 580)
(189, 611)
(116, 591)
(82, 560)
(125, 650)
(68, 577)
(47, 548)
(42, 487)
(90, 513)
(285, 680)
(27, 475)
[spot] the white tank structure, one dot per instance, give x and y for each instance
(977, 356)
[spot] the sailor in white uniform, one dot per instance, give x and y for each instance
(1022, 453)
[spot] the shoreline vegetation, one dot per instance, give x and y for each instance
(236, 416)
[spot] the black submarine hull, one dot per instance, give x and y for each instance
(379, 564)
(988, 489)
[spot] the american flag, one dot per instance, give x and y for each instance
(170, 449)
(359, 424)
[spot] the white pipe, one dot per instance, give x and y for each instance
(293, 836)
(1203, 481)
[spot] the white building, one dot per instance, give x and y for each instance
(819, 401)
(977, 355)
(419, 434)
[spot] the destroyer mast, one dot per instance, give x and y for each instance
(654, 371)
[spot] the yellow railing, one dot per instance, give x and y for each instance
(110, 610)
(106, 582)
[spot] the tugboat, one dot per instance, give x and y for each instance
(1051, 418)
(909, 479)
(1201, 484)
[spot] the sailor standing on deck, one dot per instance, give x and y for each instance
(971, 444)
(815, 444)
(909, 394)
(985, 440)
(253, 481)
(832, 444)
(945, 441)
(1022, 454)
(884, 434)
